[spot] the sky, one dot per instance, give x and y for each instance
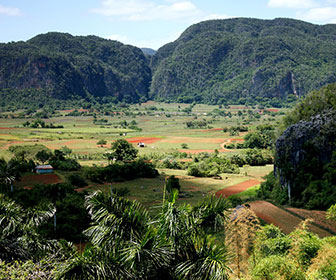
(144, 23)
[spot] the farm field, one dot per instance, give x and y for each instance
(163, 128)
(286, 221)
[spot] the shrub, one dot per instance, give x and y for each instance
(172, 183)
(77, 180)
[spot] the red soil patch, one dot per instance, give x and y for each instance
(7, 127)
(146, 140)
(5, 147)
(203, 151)
(175, 140)
(238, 188)
(33, 179)
(273, 110)
(287, 222)
(319, 217)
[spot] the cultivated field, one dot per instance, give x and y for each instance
(163, 128)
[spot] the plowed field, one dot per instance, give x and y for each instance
(238, 188)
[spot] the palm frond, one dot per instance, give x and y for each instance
(209, 262)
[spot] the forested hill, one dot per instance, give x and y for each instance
(62, 66)
(242, 59)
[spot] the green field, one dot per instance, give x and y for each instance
(167, 122)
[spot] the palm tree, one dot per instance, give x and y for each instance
(126, 244)
(93, 263)
(210, 262)
(8, 174)
(187, 229)
(18, 231)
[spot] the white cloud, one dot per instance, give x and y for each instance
(10, 11)
(142, 10)
(294, 4)
(321, 15)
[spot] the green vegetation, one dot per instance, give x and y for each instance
(185, 233)
(122, 151)
(245, 61)
(71, 69)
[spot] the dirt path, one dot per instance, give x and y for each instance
(238, 188)
(230, 140)
(287, 222)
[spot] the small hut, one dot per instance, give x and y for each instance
(44, 169)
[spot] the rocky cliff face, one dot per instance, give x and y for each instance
(305, 147)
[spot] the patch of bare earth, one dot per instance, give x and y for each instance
(202, 151)
(146, 140)
(287, 222)
(238, 188)
(176, 140)
(319, 217)
(33, 179)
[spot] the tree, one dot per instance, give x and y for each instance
(123, 151)
(19, 239)
(66, 150)
(101, 142)
(8, 173)
(43, 156)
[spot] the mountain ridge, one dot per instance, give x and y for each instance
(239, 60)
(242, 59)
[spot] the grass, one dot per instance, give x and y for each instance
(248, 194)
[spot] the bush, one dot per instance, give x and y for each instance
(121, 171)
(77, 180)
(172, 183)
(277, 267)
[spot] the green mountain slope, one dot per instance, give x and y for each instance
(241, 59)
(61, 66)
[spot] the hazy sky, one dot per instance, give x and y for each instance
(143, 23)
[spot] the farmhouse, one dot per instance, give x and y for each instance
(44, 169)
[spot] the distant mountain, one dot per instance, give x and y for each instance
(148, 51)
(62, 66)
(238, 60)
(243, 59)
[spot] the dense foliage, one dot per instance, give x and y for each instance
(121, 171)
(126, 243)
(59, 66)
(245, 60)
